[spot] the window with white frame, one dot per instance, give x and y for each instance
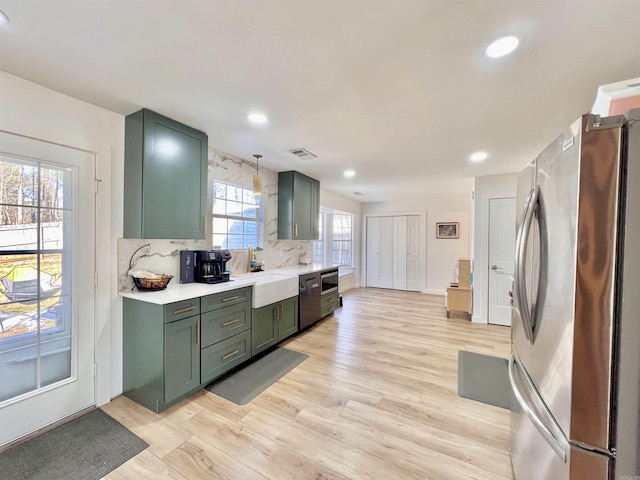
(319, 245)
(236, 216)
(335, 243)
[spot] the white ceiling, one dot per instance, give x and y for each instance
(398, 90)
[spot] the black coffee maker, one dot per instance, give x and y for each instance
(208, 266)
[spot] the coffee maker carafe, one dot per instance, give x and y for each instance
(210, 266)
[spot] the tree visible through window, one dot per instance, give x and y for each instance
(33, 213)
(236, 216)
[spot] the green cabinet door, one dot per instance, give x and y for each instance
(181, 358)
(161, 355)
(288, 318)
(165, 181)
(273, 323)
(264, 328)
(298, 206)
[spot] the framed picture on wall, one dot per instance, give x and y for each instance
(447, 230)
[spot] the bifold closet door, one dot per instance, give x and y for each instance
(393, 252)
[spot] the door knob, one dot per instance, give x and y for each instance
(494, 267)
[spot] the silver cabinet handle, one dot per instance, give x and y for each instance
(556, 438)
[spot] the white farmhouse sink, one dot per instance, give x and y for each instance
(273, 287)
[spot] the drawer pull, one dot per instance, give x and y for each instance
(198, 333)
(230, 322)
(229, 355)
(184, 310)
(228, 299)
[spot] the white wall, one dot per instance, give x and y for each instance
(440, 256)
(486, 188)
(31, 110)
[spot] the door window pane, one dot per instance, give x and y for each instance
(35, 276)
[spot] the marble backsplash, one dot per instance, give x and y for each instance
(163, 255)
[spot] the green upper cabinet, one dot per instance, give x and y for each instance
(298, 206)
(165, 178)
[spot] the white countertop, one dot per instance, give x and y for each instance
(176, 292)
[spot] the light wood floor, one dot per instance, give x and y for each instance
(377, 398)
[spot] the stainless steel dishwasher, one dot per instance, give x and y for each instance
(310, 304)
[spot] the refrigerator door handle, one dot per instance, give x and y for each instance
(551, 432)
(522, 239)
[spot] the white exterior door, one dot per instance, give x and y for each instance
(413, 252)
(400, 253)
(502, 239)
(47, 263)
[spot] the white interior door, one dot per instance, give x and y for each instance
(502, 239)
(373, 252)
(386, 252)
(400, 253)
(414, 231)
(47, 263)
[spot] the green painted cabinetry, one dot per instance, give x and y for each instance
(171, 351)
(226, 332)
(298, 206)
(165, 178)
(273, 323)
(181, 358)
(329, 303)
(161, 352)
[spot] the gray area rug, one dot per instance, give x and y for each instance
(244, 385)
(86, 448)
(485, 378)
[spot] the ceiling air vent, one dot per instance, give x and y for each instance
(302, 153)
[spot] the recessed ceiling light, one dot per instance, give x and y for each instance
(478, 157)
(349, 174)
(3, 18)
(503, 46)
(257, 117)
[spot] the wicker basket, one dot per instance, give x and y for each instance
(152, 284)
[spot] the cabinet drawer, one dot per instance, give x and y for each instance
(223, 356)
(329, 299)
(178, 310)
(329, 308)
(224, 299)
(225, 322)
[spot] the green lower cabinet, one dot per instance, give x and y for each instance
(273, 323)
(329, 304)
(181, 358)
(288, 321)
(171, 351)
(161, 354)
(220, 357)
(264, 328)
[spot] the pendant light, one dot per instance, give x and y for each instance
(257, 178)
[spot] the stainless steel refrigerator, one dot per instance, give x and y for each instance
(575, 365)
